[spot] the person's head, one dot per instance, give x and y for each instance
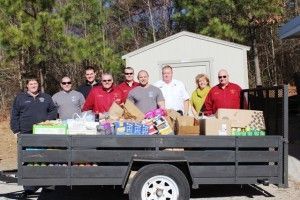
(143, 77)
(90, 74)
(66, 84)
(32, 85)
(129, 74)
(223, 77)
(167, 73)
(202, 81)
(107, 80)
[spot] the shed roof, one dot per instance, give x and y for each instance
(188, 34)
(291, 29)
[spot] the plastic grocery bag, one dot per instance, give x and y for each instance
(88, 116)
(81, 125)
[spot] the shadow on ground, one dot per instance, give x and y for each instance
(214, 191)
(111, 193)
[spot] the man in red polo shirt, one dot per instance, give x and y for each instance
(102, 97)
(223, 95)
(129, 83)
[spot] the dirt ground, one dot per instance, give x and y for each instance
(8, 148)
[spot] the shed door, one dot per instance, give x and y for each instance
(187, 71)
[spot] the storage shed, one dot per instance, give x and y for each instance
(190, 54)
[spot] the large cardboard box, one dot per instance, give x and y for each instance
(185, 126)
(242, 118)
(215, 127)
(188, 130)
(132, 112)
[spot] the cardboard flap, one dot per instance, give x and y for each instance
(173, 114)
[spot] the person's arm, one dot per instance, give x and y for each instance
(161, 104)
(186, 104)
(89, 102)
(81, 100)
(15, 117)
(208, 105)
(52, 110)
(160, 100)
(194, 112)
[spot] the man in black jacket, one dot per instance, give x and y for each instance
(31, 107)
(90, 82)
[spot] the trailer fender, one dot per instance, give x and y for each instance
(137, 163)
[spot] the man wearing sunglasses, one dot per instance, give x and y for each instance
(129, 83)
(102, 97)
(68, 101)
(223, 95)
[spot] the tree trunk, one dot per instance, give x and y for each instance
(273, 58)
(151, 21)
(41, 75)
(21, 68)
(256, 61)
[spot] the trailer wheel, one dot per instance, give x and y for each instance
(159, 182)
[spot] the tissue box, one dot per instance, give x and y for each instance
(50, 129)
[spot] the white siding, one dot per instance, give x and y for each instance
(186, 48)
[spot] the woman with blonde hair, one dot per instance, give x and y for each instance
(200, 93)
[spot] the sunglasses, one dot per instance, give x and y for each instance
(222, 77)
(109, 80)
(65, 83)
(128, 73)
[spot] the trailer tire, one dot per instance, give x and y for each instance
(159, 181)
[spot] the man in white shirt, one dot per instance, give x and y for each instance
(175, 94)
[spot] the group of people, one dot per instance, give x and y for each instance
(32, 106)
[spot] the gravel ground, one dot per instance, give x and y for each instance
(211, 192)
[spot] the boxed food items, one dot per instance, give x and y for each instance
(185, 125)
(243, 118)
(162, 125)
(247, 131)
(213, 126)
(50, 127)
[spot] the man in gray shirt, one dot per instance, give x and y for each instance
(68, 101)
(146, 97)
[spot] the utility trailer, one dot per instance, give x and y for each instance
(163, 167)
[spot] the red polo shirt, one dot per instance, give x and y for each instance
(100, 100)
(125, 88)
(229, 97)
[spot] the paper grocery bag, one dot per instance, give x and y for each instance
(132, 112)
(115, 111)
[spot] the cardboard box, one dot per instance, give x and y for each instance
(50, 129)
(188, 130)
(185, 126)
(132, 112)
(242, 118)
(215, 127)
(171, 118)
(185, 121)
